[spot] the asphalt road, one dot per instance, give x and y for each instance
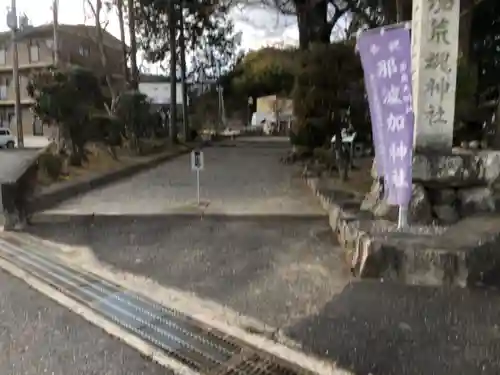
(38, 336)
(263, 247)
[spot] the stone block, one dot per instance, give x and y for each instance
(446, 170)
(490, 162)
(459, 169)
(420, 206)
(419, 210)
(465, 254)
(446, 214)
(442, 197)
(14, 163)
(373, 197)
(476, 200)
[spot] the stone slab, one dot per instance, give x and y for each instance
(14, 162)
(464, 254)
(459, 168)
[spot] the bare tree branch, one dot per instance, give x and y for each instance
(471, 8)
(99, 40)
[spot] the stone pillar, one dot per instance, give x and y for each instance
(435, 29)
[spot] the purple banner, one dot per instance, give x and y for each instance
(386, 58)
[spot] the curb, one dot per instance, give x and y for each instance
(357, 244)
(71, 189)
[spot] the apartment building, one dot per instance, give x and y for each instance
(76, 46)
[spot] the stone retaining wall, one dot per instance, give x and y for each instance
(464, 254)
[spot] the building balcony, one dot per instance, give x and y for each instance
(11, 102)
(34, 65)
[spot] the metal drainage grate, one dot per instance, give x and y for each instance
(188, 341)
(257, 364)
(192, 343)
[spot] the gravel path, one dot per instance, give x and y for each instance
(37, 336)
(244, 180)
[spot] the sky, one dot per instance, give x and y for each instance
(259, 27)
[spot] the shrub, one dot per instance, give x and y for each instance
(105, 128)
(51, 164)
(314, 133)
(134, 110)
(326, 82)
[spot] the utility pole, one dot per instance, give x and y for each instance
(55, 24)
(55, 54)
(13, 25)
(172, 28)
(182, 47)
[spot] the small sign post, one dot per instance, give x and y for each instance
(197, 164)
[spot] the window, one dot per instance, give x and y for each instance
(3, 132)
(4, 88)
(5, 118)
(37, 126)
(84, 51)
(3, 55)
(34, 52)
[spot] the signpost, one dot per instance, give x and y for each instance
(386, 58)
(197, 164)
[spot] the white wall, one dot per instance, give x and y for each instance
(159, 92)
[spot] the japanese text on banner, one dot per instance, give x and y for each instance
(391, 51)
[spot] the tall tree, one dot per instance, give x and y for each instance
(216, 50)
(67, 99)
(100, 12)
(119, 4)
(485, 42)
(182, 51)
(267, 71)
(316, 19)
(133, 44)
(204, 23)
(172, 26)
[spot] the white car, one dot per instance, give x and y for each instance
(228, 132)
(7, 139)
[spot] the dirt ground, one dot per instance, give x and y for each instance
(99, 160)
(360, 179)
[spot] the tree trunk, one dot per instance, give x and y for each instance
(182, 47)
(313, 22)
(465, 29)
(133, 45)
(120, 4)
(172, 26)
(102, 51)
(496, 138)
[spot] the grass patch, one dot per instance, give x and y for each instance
(54, 168)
